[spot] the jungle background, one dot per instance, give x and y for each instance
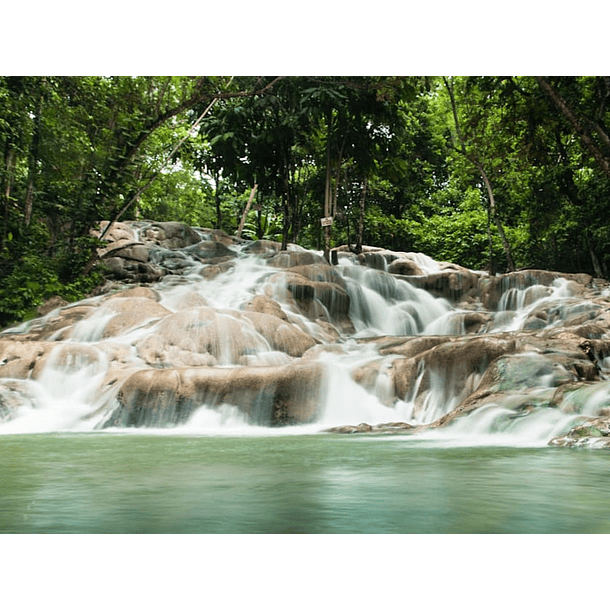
(493, 173)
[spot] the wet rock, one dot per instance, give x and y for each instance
(374, 260)
(201, 330)
(280, 334)
(454, 360)
(169, 234)
(296, 258)
(453, 285)
(389, 428)
(210, 252)
(57, 325)
(263, 247)
(220, 236)
(408, 346)
(134, 252)
(213, 270)
(23, 359)
(266, 395)
(492, 288)
(403, 266)
(174, 262)
(317, 300)
(263, 304)
(51, 304)
(317, 272)
(118, 236)
(139, 292)
(14, 395)
(128, 270)
(594, 433)
(129, 313)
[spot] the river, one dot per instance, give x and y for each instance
(143, 483)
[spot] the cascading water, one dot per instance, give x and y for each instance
(244, 342)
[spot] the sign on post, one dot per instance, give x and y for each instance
(326, 222)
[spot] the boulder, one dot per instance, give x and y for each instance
(453, 285)
(139, 292)
(269, 396)
(131, 271)
(262, 247)
(220, 337)
(594, 433)
(280, 334)
(169, 235)
(14, 395)
(492, 288)
(298, 258)
(403, 266)
(263, 304)
(221, 236)
(23, 359)
(58, 326)
(210, 252)
(326, 301)
(129, 313)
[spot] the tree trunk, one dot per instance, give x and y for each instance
(9, 163)
(218, 223)
(32, 163)
(361, 217)
(594, 260)
(492, 209)
(327, 205)
(246, 210)
(492, 264)
(286, 221)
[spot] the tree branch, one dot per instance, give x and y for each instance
(575, 122)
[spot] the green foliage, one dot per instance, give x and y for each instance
(424, 158)
(32, 282)
(180, 195)
(262, 226)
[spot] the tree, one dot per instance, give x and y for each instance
(473, 143)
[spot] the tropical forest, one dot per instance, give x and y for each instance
(494, 173)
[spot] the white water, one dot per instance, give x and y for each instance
(67, 395)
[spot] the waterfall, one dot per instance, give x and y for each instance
(253, 341)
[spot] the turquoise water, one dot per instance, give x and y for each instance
(311, 483)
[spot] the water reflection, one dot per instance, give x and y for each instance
(105, 483)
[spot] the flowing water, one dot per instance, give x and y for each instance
(219, 471)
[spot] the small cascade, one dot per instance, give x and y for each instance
(381, 304)
(65, 395)
(208, 334)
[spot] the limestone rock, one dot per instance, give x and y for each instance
(129, 312)
(263, 304)
(263, 247)
(210, 251)
(169, 234)
(280, 334)
(403, 266)
(298, 258)
(266, 395)
(23, 359)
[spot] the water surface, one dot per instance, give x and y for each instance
(310, 483)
